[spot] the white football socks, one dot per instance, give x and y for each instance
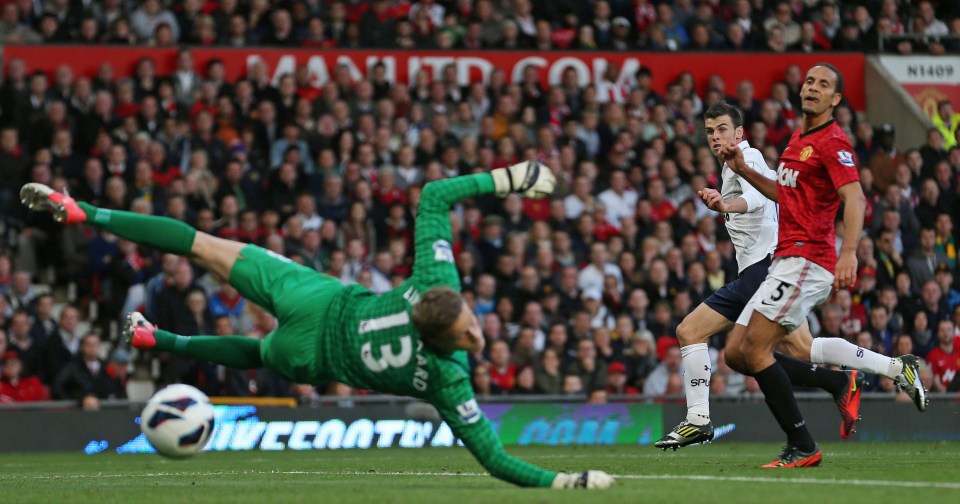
(840, 352)
(695, 369)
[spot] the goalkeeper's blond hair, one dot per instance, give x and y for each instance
(435, 315)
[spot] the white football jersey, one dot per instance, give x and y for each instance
(753, 233)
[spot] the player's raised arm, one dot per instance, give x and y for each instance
(434, 263)
(433, 260)
(734, 157)
(752, 198)
(460, 410)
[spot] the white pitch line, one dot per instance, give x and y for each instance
(804, 481)
(736, 479)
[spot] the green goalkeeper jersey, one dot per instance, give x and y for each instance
(370, 342)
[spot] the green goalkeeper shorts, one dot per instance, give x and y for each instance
(298, 297)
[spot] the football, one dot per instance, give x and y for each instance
(178, 421)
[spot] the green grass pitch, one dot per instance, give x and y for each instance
(924, 473)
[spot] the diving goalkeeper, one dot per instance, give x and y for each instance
(411, 340)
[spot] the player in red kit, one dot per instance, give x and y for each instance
(816, 173)
(944, 359)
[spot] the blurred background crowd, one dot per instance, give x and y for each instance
(899, 26)
(580, 294)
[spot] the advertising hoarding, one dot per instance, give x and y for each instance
(402, 66)
(239, 428)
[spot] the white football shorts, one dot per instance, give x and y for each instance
(793, 287)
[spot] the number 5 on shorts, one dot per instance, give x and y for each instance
(778, 295)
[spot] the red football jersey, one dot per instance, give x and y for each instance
(813, 166)
(943, 365)
(506, 380)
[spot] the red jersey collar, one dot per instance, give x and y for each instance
(818, 128)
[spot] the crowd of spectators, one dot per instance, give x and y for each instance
(579, 294)
(694, 25)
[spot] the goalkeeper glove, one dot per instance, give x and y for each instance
(530, 179)
(586, 479)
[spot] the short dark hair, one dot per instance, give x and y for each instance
(722, 108)
(89, 335)
(435, 314)
(838, 88)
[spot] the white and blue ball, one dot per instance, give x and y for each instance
(178, 421)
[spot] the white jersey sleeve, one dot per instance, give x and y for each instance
(754, 159)
(754, 233)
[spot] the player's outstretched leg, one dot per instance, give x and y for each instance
(903, 370)
(161, 233)
(693, 333)
(239, 352)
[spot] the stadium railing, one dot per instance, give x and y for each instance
(888, 42)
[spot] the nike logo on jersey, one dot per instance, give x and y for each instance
(765, 303)
(787, 176)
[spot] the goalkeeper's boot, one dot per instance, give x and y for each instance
(908, 382)
(42, 198)
(686, 434)
(139, 332)
(791, 458)
(849, 403)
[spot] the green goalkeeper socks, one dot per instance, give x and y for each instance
(162, 233)
(238, 352)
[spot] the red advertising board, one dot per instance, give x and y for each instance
(762, 69)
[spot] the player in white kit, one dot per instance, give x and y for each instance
(752, 222)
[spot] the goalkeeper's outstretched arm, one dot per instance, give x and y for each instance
(460, 410)
(433, 261)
